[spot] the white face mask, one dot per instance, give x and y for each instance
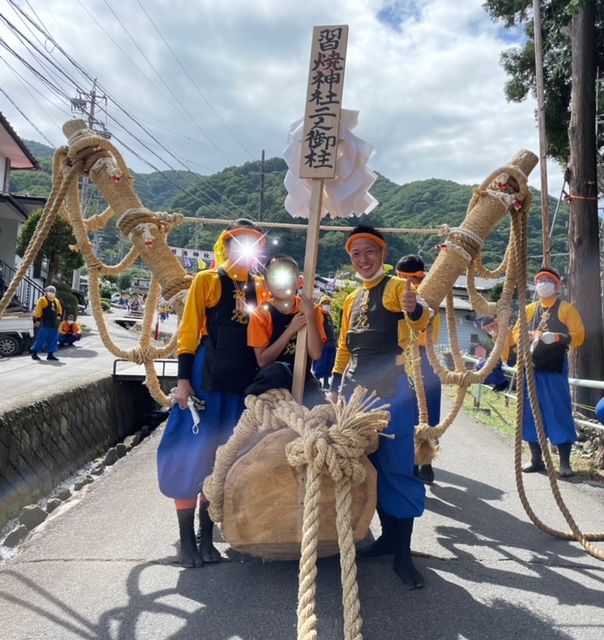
(545, 289)
(377, 274)
(326, 307)
(70, 322)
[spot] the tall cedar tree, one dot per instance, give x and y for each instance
(573, 49)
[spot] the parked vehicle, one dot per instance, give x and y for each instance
(16, 334)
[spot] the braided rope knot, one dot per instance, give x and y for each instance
(317, 449)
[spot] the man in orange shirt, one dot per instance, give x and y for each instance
(69, 331)
(273, 330)
(554, 326)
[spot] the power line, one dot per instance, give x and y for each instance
(25, 82)
(67, 98)
(23, 114)
(191, 79)
(193, 121)
(125, 111)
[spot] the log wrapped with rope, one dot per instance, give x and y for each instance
(505, 189)
(105, 166)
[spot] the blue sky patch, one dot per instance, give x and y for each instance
(395, 12)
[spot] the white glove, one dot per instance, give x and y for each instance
(548, 337)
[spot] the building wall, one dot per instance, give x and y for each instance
(8, 240)
(467, 334)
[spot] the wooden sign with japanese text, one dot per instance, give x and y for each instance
(324, 102)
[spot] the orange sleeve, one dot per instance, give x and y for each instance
(320, 323)
(260, 328)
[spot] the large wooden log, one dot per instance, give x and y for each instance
(264, 502)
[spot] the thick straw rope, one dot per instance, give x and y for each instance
(332, 440)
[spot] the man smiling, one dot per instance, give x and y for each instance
(377, 321)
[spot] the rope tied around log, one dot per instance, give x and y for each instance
(332, 439)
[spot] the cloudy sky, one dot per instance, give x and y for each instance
(210, 83)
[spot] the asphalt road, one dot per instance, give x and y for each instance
(21, 378)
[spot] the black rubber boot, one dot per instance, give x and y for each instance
(536, 463)
(207, 550)
(386, 544)
(403, 561)
(425, 473)
(188, 555)
(35, 356)
(564, 453)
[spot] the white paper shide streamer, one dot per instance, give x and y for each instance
(345, 195)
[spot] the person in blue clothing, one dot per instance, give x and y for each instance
(215, 365)
(554, 326)
(47, 318)
(377, 320)
(323, 367)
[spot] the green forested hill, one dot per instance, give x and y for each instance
(235, 192)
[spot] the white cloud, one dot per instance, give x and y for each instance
(425, 76)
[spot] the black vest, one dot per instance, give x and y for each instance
(549, 357)
(372, 340)
(50, 314)
(280, 323)
(229, 364)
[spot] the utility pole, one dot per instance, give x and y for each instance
(262, 173)
(547, 261)
(261, 208)
(86, 104)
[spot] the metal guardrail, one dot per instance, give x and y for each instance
(134, 372)
(577, 382)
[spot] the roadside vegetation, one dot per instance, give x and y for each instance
(499, 412)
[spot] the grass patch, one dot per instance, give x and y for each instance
(499, 412)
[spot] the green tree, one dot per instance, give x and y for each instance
(573, 50)
(55, 249)
(124, 281)
(519, 61)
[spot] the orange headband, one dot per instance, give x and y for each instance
(366, 236)
(241, 231)
(547, 274)
(415, 274)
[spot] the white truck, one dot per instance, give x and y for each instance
(16, 333)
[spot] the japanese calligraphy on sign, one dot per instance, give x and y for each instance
(324, 102)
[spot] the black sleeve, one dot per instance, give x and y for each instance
(185, 366)
(564, 339)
